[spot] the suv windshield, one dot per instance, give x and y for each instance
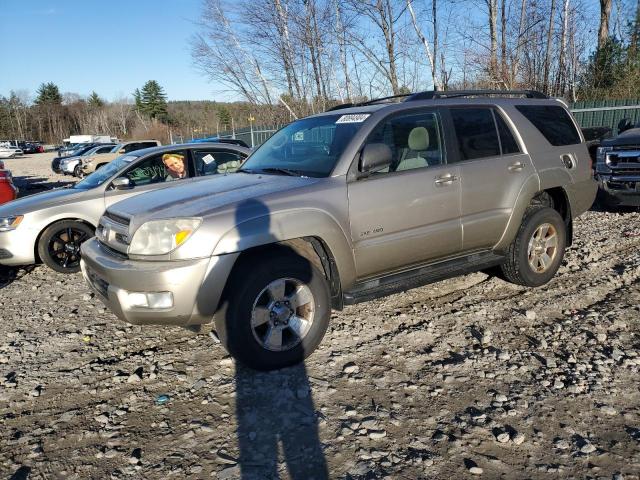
(103, 174)
(308, 147)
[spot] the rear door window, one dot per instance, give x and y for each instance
(553, 122)
(212, 162)
(508, 143)
(476, 132)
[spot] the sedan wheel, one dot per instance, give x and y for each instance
(59, 246)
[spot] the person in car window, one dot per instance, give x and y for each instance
(175, 167)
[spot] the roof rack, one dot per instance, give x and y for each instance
(434, 95)
(370, 102)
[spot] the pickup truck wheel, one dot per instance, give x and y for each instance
(59, 245)
(537, 251)
(275, 313)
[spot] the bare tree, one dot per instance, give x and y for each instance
(603, 30)
(425, 43)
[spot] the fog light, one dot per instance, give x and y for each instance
(150, 300)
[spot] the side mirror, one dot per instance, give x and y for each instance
(122, 183)
(375, 157)
(121, 151)
(624, 125)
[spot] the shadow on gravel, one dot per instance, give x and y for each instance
(275, 410)
(29, 185)
(21, 474)
(10, 274)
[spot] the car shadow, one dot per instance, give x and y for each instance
(8, 275)
(28, 185)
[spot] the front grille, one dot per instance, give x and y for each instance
(55, 164)
(117, 218)
(4, 254)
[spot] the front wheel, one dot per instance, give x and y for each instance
(537, 251)
(59, 245)
(77, 171)
(275, 311)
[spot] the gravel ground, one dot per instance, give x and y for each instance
(467, 377)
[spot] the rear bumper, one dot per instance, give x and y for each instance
(196, 285)
(582, 196)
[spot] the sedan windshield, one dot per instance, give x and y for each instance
(103, 174)
(308, 147)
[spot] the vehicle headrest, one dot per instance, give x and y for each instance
(419, 139)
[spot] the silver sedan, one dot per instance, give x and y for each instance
(51, 226)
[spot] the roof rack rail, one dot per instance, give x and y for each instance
(369, 102)
(433, 95)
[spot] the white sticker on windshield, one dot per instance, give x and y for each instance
(208, 158)
(354, 118)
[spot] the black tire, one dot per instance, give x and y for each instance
(55, 249)
(77, 171)
(517, 268)
(248, 279)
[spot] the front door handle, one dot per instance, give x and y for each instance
(516, 167)
(446, 179)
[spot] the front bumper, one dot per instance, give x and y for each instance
(67, 168)
(17, 247)
(620, 190)
(196, 285)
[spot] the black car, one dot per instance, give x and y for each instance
(618, 167)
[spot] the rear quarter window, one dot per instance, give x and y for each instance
(553, 122)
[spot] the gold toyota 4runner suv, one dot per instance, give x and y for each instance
(345, 206)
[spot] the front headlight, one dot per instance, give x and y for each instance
(159, 237)
(10, 223)
(602, 153)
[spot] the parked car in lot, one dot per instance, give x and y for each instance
(96, 161)
(346, 206)
(31, 147)
(8, 190)
(79, 150)
(9, 151)
(618, 167)
(73, 165)
(50, 226)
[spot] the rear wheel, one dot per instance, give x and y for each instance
(537, 251)
(275, 311)
(59, 245)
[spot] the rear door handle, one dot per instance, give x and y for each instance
(446, 179)
(516, 167)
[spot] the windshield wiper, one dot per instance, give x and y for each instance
(286, 171)
(245, 170)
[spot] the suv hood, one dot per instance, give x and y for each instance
(204, 197)
(629, 137)
(40, 201)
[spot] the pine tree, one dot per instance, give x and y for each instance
(224, 117)
(48, 94)
(137, 97)
(94, 101)
(153, 101)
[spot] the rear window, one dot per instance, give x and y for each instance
(553, 122)
(476, 132)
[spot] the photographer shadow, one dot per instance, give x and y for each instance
(277, 426)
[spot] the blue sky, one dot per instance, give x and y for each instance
(111, 47)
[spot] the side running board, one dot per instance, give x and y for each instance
(418, 277)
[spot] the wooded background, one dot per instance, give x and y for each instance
(284, 59)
